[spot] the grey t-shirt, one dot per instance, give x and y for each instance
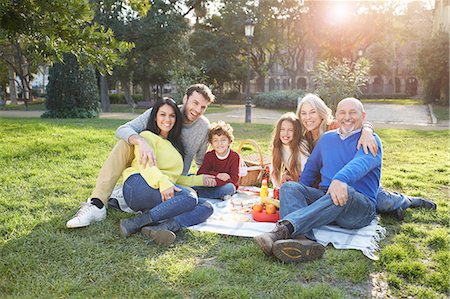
(194, 137)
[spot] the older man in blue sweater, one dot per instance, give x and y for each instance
(346, 195)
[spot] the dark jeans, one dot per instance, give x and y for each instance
(307, 208)
(183, 207)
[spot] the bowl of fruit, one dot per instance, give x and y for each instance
(266, 211)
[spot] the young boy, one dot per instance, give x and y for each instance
(221, 162)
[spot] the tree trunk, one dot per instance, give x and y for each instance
(104, 94)
(127, 92)
(12, 85)
(28, 88)
(262, 82)
(145, 90)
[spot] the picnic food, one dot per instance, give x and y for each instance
(258, 207)
(271, 209)
(269, 212)
(268, 200)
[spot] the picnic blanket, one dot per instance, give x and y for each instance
(234, 217)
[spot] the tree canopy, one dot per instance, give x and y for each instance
(433, 67)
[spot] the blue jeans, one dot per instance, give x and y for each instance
(218, 192)
(139, 196)
(199, 214)
(307, 208)
(391, 201)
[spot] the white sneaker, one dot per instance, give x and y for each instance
(87, 214)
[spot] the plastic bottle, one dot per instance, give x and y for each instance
(264, 192)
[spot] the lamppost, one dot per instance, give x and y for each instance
(249, 28)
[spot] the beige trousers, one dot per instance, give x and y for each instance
(119, 159)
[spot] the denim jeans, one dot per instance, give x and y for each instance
(139, 196)
(307, 208)
(199, 214)
(391, 201)
(218, 192)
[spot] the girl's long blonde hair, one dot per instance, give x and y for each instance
(307, 143)
(294, 168)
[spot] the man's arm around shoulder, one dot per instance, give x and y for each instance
(133, 127)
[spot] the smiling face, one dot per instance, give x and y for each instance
(220, 144)
(286, 132)
(310, 118)
(350, 115)
(194, 106)
(165, 119)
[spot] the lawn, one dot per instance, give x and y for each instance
(49, 167)
(118, 108)
(441, 112)
(396, 101)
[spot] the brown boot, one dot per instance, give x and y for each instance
(294, 250)
(265, 241)
(163, 233)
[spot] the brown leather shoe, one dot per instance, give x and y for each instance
(294, 250)
(265, 241)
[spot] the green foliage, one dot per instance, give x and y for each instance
(280, 99)
(159, 40)
(71, 91)
(432, 68)
(217, 54)
(186, 71)
(336, 80)
(45, 30)
(119, 98)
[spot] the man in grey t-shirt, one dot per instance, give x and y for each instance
(194, 135)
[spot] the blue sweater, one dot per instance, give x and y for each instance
(338, 159)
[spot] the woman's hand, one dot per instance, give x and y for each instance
(209, 180)
(169, 193)
(223, 176)
(368, 142)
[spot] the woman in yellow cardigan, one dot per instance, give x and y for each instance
(152, 189)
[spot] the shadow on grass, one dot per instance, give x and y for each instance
(53, 261)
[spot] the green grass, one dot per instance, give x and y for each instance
(396, 101)
(21, 107)
(118, 108)
(441, 112)
(50, 166)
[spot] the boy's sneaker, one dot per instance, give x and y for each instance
(293, 250)
(87, 214)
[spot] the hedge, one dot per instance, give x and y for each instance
(279, 99)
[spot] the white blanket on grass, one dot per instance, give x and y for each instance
(233, 217)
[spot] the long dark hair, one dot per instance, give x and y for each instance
(175, 133)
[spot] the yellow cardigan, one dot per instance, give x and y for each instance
(169, 165)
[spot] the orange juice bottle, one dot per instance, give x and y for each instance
(264, 192)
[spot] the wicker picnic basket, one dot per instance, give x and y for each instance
(254, 164)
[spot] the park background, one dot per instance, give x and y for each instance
(81, 59)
